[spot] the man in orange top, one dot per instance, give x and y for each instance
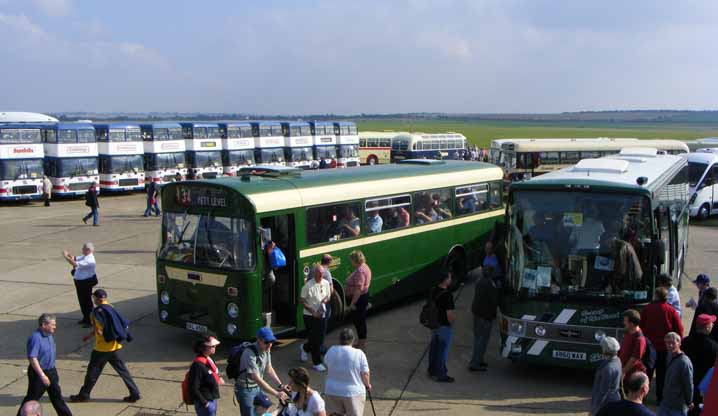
(103, 353)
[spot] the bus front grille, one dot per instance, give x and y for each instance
(209, 175)
(79, 186)
(129, 182)
(24, 190)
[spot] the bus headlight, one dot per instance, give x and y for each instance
(231, 329)
(232, 310)
(165, 297)
(693, 198)
(599, 335)
(540, 331)
(517, 329)
(164, 315)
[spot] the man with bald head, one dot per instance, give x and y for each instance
(314, 297)
(31, 408)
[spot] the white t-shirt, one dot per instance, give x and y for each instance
(315, 404)
(314, 293)
(85, 267)
(344, 367)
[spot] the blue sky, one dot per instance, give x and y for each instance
(335, 56)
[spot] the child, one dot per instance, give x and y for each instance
(262, 404)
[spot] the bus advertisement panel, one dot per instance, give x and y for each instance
(71, 158)
(21, 158)
(120, 157)
(325, 143)
(268, 143)
(347, 144)
(298, 143)
(585, 244)
(375, 147)
(409, 220)
(164, 152)
(203, 143)
(237, 146)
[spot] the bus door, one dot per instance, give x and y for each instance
(279, 294)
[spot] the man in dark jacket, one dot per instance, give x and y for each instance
(708, 305)
(702, 351)
(92, 202)
(486, 301)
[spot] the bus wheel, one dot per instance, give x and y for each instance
(704, 212)
(372, 160)
(337, 305)
(456, 264)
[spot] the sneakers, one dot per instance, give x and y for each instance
(303, 356)
(76, 398)
(131, 399)
(319, 368)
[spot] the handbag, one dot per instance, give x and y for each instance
(277, 258)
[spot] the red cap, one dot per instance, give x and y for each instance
(705, 319)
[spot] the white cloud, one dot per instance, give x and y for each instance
(54, 8)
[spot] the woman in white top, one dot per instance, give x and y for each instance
(305, 400)
(348, 377)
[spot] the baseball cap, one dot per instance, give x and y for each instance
(705, 319)
(702, 278)
(100, 294)
(211, 341)
(262, 400)
(266, 334)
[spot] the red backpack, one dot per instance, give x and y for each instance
(187, 398)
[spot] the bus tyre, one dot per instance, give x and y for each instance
(704, 212)
(337, 305)
(456, 264)
(372, 160)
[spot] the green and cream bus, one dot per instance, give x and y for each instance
(213, 275)
(585, 244)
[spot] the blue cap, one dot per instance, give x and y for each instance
(100, 294)
(266, 334)
(702, 279)
(262, 400)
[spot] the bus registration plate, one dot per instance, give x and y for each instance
(569, 355)
(196, 327)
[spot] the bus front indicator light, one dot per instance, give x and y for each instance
(232, 291)
(517, 328)
(232, 310)
(164, 315)
(231, 329)
(165, 297)
(599, 335)
(540, 331)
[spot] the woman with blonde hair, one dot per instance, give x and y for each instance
(357, 293)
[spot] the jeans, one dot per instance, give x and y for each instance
(36, 389)
(439, 351)
(359, 316)
(98, 360)
(210, 410)
(664, 411)
(314, 338)
(482, 334)
(152, 207)
(94, 214)
(245, 398)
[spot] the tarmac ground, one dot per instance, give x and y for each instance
(34, 278)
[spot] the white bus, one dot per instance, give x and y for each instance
(298, 142)
(164, 152)
(428, 146)
(203, 143)
(347, 143)
(375, 146)
(21, 156)
(268, 143)
(237, 146)
(703, 181)
(121, 162)
(325, 143)
(71, 158)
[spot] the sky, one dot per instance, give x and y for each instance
(360, 56)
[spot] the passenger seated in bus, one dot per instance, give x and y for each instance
(425, 212)
(467, 204)
(374, 221)
(586, 234)
(402, 217)
(439, 208)
(349, 225)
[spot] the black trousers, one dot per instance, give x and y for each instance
(46, 197)
(660, 370)
(94, 369)
(359, 315)
(36, 389)
(84, 296)
(314, 338)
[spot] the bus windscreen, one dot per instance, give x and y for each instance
(12, 169)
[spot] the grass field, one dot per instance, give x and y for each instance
(481, 133)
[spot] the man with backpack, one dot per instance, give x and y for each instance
(633, 349)
(110, 329)
(249, 364)
(658, 319)
(443, 309)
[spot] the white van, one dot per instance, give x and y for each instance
(703, 180)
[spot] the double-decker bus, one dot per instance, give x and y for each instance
(347, 144)
(21, 157)
(525, 158)
(298, 140)
(212, 273)
(71, 157)
(428, 146)
(203, 143)
(164, 155)
(237, 146)
(325, 143)
(120, 157)
(585, 244)
(268, 143)
(375, 146)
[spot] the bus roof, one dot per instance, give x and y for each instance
(198, 124)
(25, 117)
(25, 125)
(116, 125)
(295, 123)
(321, 123)
(226, 124)
(598, 144)
(336, 185)
(160, 125)
(430, 136)
(265, 123)
(74, 126)
(380, 134)
(345, 123)
(617, 171)
(703, 157)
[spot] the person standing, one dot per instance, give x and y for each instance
(41, 374)
(93, 203)
(674, 298)
(46, 190)
(486, 301)
(702, 282)
(678, 393)
(357, 292)
(702, 350)
(109, 330)
(153, 194)
(204, 379)
(441, 336)
(326, 262)
(634, 344)
(607, 380)
(708, 305)
(254, 364)
(178, 177)
(306, 400)
(636, 386)
(314, 297)
(84, 277)
(348, 377)
(658, 319)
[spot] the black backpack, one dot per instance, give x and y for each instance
(235, 357)
(429, 316)
(649, 357)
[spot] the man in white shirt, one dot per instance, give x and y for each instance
(674, 299)
(315, 295)
(85, 278)
(348, 377)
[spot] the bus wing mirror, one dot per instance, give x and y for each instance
(659, 251)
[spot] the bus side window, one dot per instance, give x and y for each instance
(431, 206)
(384, 214)
(495, 198)
(333, 222)
(471, 198)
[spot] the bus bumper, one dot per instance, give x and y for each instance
(20, 197)
(551, 353)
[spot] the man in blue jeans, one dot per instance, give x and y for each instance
(441, 336)
(254, 365)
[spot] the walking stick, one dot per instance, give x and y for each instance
(368, 392)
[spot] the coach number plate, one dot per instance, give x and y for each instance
(569, 355)
(198, 328)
